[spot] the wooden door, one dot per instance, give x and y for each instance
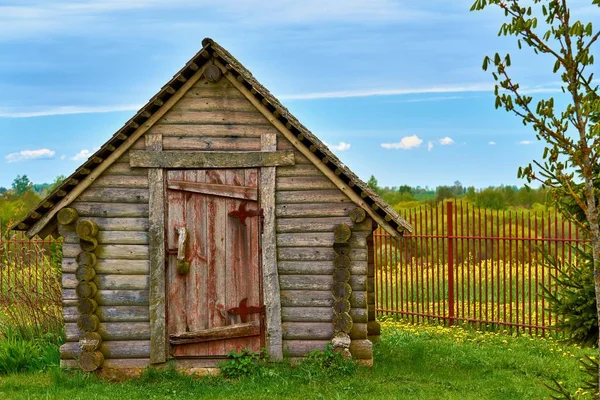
(216, 306)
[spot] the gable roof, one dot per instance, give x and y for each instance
(37, 221)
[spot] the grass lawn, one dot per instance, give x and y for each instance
(411, 362)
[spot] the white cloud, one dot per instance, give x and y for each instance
(480, 87)
(492, 143)
(446, 141)
(64, 110)
(341, 146)
(429, 145)
(526, 142)
(483, 87)
(82, 155)
(42, 17)
(30, 155)
(405, 143)
(426, 99)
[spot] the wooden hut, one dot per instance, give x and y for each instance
(213, 221)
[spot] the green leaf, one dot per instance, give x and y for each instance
(556, 66)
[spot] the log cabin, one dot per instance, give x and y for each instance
(212, 221)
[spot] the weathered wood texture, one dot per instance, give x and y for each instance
(112, 331)
(118, 349)
(213, 117)
(220, 333)
(117, 202)
(156, 240)
(210, 159)
(271, 288)
(373, 327)
(223, 252)
(309, 208)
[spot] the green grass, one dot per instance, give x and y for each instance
(411, 362)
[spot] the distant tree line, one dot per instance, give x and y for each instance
(22, 196)
(493, 197)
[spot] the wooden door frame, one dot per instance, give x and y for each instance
(159, 345)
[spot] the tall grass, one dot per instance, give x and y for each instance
(30, 293)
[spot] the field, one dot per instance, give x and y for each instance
(498, 264)
(506, 296)
(411, 362)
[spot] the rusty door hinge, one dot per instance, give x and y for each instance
(242, 213)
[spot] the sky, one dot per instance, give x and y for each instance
(395, 88)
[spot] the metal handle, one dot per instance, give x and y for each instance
(183, 267)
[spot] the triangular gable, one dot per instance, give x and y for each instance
(40, 220)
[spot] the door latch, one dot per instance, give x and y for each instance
(183, 266)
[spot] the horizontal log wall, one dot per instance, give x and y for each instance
(308, 208)
(118, 203)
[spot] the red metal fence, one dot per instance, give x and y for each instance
(27, 266)
(465, 264)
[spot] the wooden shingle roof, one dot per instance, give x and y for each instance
(39, 220)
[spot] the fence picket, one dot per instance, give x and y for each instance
(24, 265)
(422, 277)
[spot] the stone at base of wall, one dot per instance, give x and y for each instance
(366, 363)
(374, 339)
(361, 349)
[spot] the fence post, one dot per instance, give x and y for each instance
(449, 233)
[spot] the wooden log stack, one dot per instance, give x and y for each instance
(90, 358)
(361, 348)
(342, 321)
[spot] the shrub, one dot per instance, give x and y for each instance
(575, 298)
(244, 363)
(327, 362)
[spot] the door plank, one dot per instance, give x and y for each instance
(236, 192)
(176, 282)
(217, 216)
(236, 241)
(255, 259)
(220, 333)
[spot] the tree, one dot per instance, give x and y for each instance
(3, 190)
(572, 133)
(21, 184)
(405, 189)
(444, 192)
(57, 181)
(373, 184)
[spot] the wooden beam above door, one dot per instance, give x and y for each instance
(210, 159)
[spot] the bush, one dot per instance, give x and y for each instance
(327, 362)
(575, 298)
(242, 364)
